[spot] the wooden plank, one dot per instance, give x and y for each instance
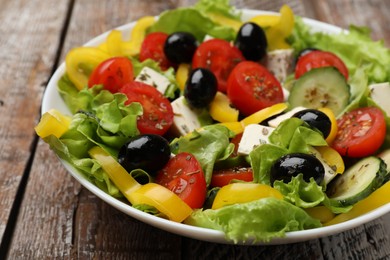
(29, 38)
(63, 220)
(373, 14)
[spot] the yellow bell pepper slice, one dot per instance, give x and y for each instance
(376, 199)
(53, 122)
(151, 194)
(263, 114)
(115, 44)
(81, 61)
(117, 174)
(332, 158)
(221, 109)
(226, 21)
(139, 32)
(182, 75)
(321, 213)
(235, 127)
(277, 29)
(162, 199)
(243, 192)
(333, 120)
(255, 118)
(266, 21)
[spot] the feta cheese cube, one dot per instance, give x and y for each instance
(280, 63)
(185, 119)
(380, 93)
(276, 121)
(153, 78)
(253, 136)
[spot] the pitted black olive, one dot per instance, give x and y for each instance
(179, 47)
(148, 152)
(316, 119)
(200, 88)
(291, 165)
(251, 41)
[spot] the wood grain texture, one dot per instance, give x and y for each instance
(373, 14)
(28, 41)
(58, 218)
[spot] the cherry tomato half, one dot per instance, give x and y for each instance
(360, 132)
(157, 115)
(112, 73)
(184, 176)
(317, 59)
(251, 87)
(218, 56)
(223, 177)
(153, 48)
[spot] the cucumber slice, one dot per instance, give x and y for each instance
(321, 87)
(358, 182)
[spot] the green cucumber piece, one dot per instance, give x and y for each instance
(358, 181)
(321, 87)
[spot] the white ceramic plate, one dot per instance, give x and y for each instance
(52, 99)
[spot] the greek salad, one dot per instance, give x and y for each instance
(254, 128)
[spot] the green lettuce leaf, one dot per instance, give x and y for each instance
(355, 48)
(308, 194)
(291, 136)
(300, 193)
(87, 166)
(260, 220)
(188, 20)
(221, 7)
(208, 145)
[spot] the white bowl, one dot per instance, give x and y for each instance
(52, 99)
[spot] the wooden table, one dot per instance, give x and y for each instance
(46, 214)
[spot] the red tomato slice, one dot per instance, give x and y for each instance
(360, 132)
(157, 115)
(220, 57)
(251, 87)
(184, 176)
(223, 177)
(153, 48)
(317, 59)
(112, 73)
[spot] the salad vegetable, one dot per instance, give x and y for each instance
(254, 128)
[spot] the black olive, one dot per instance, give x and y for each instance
(291, 165)
(251, 41)
(316, 119)
(210, 197)
(148, 152)
(200, 88)
(179, 47)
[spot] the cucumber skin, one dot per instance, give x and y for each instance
(339, 96)
(379, 180)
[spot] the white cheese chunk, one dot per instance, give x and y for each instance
(329, 172)
(185, 119)
(253, 136)
(207, 37)
(380, 93)
(280, 63)
(276, 121)
(153, 78)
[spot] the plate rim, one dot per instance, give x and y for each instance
(51, 99)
